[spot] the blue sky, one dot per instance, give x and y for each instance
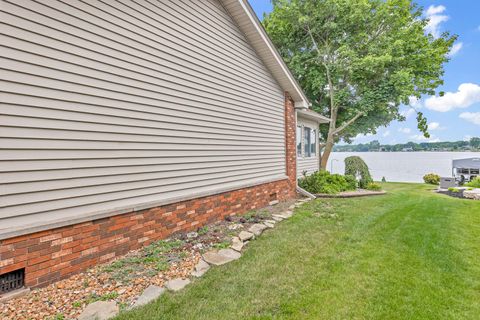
(456, 116)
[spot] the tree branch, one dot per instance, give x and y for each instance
(346, 124)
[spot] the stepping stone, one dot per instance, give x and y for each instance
(292, 207)
(151, 293)
(270, 221)
(244, 235)
(100, 310)
(237, 244)
(274, 202)
(221, 257)
(200, 268)
(277, 217)
(177, 284)
(257, 228)
(269, 224)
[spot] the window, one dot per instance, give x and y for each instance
(307, 133)
(313, 143)
(299, 141)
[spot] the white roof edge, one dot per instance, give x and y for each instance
(312, 115)
(250, 25)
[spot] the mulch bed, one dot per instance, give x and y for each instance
(352, 194)
(125, 278)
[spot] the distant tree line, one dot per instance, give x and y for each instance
(472, 145)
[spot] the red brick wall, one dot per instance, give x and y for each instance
(51, 255)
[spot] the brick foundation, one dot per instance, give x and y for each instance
(51, 255)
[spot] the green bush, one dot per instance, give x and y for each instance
(431, 178)
(356, 167)
(324, 182)
(475, 183)
(372, 186)
(352, 182)
(451, 189)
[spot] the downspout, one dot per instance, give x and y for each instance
(297, 187)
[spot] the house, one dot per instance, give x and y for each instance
(123, 122)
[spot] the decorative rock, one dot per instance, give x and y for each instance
(244, 235)
(234, 226)
(100, 310)
(277, 217)
(271, 221)
(287, 214)
(221, 257)
(198, 246)
(274, 202)
(200, 268)
(237, 244)
(177, 284)
(472, 194)
(151, 293)
(269, 224)
(257, 228)
(192, 235)
(291, 207)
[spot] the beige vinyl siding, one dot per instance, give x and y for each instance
(118, 105)
(307, 164)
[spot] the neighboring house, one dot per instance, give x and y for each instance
(123, 122)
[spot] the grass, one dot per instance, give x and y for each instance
(410, 254)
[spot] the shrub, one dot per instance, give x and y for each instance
(352, 182)
(475, 183)
(431, 178)
(324, 182)
(356, 167)
(383, 179)
(374, 186)
(451, 189)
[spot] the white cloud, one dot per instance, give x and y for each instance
(435, 126)
(435, 18)
(473, 117)
(455, 49)
(421, 138)
(386, 133)
(466, 95)
(407, 113)
(404, 130)
(414, 101)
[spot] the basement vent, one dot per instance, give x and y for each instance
(12, 281)
(273, 196)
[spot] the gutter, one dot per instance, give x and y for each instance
(305, 193)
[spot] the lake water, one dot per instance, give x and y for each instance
(401, 166)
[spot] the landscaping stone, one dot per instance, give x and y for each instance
(472, 194)
(149, 294)
(291, 207)
(270, 221)
(274, 202)
(235, 226)
(200, 268)
(245, 235)
(285, 215)
(221, 257)
(177, 284)
(269, 224)
(192, 235)
(237, 244)
(277, 217)
(257, 228)
(99, 310)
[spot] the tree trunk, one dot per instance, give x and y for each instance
(326, 152)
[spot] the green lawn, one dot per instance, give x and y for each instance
(411, 254)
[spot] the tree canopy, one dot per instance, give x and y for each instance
(358, 60)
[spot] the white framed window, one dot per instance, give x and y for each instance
(307, 134)
(299, 141)
(313, 143)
